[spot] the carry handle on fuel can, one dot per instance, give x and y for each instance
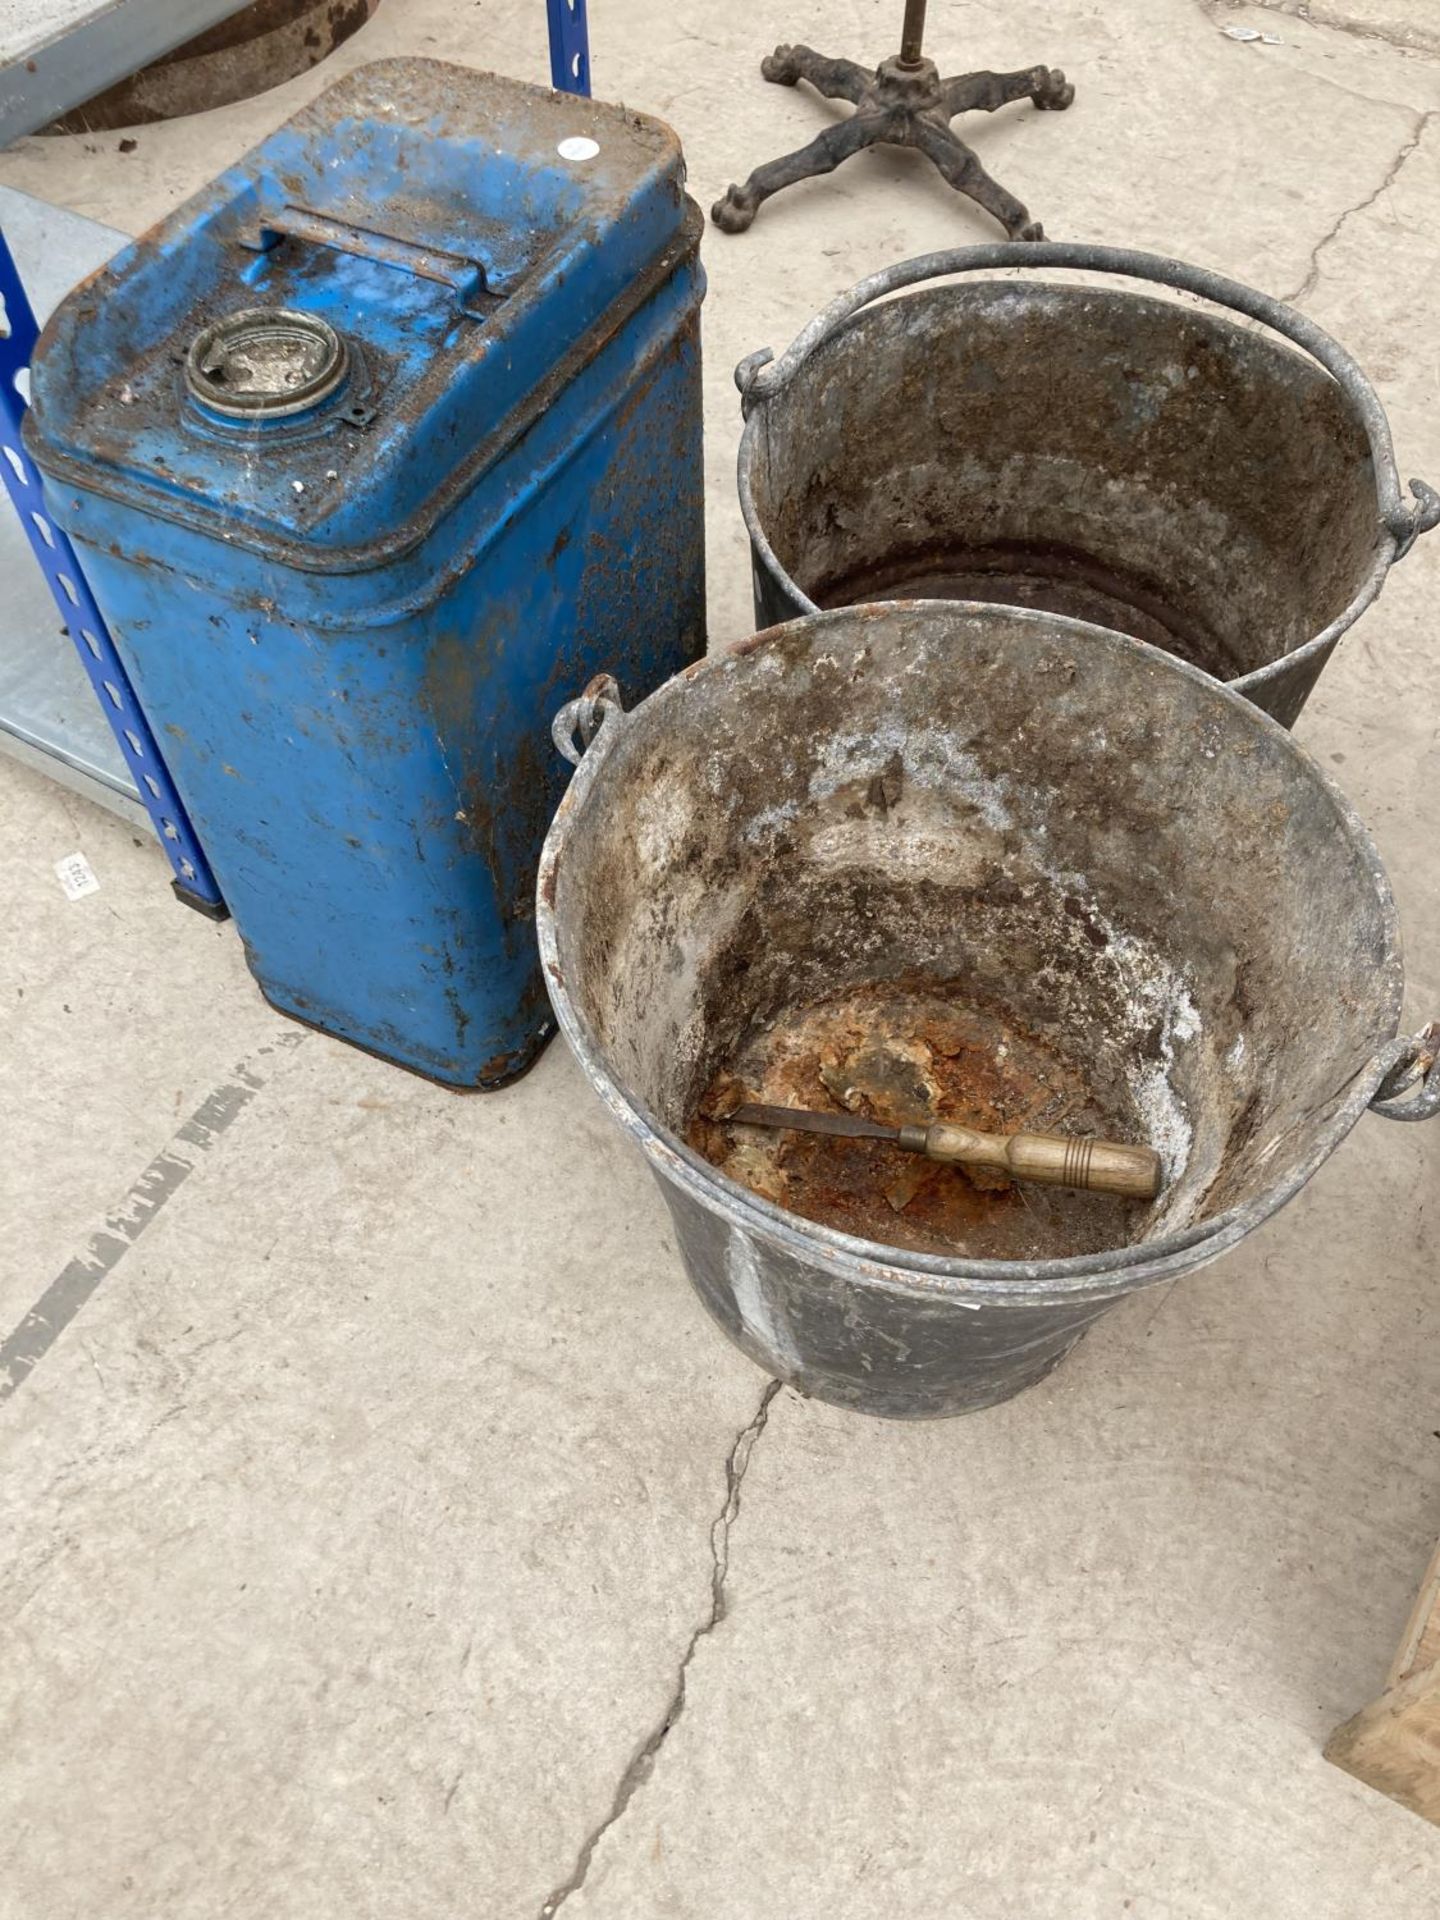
(468, 278)
(760, 375)
(1407, 1067)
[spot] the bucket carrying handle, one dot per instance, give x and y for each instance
(1418, 1064)
(586, 715)
(760, 376)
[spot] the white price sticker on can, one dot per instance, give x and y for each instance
(76, 876)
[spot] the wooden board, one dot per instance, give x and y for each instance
(1420, 1642)
(1393, 1745)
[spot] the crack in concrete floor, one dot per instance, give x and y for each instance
(637, 1772)
(1392, 173)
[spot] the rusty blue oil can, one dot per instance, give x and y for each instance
(372, 452)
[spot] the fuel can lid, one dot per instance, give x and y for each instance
(265, 363)
(310, 356)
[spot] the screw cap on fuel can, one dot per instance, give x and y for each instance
(265, 362)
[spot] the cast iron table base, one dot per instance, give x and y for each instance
(904, 103)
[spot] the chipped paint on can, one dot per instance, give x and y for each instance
(353, 621)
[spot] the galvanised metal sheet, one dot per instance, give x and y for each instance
(56, 54)
(350, 624)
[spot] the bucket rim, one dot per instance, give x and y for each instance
(975, 1282)
(1359, 393)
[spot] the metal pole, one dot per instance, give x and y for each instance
(194, 883)
(912, 33)
(569, 46)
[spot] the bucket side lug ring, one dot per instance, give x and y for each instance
(1418, 519)
(1418, 1064)
(746, 375)
(585, 715)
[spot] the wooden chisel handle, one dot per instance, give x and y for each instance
(1096, 1166)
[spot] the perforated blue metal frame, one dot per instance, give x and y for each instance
(569, 46)
(194, 883)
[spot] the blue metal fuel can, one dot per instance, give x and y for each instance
(372, 452)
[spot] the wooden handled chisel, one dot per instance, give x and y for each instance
(1059, 1160)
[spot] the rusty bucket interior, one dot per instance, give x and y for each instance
(1147, 465)
(969, 863)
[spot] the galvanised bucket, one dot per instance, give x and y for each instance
(1144, 464)
(1061, 876)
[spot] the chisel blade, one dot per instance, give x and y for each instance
(805, 1121)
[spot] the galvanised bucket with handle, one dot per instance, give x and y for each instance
(1083, 870)
(1144, 463)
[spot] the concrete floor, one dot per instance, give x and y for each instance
(371, 1521)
